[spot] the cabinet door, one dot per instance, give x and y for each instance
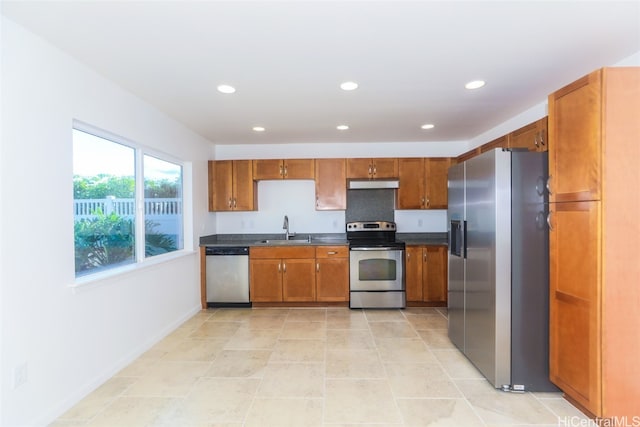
(533, 136)
(434, 272)
(436, 170)
(298, 168)
(413, 273)
(265, 280)
(331, 184)
(384, 168)
(267, 169)
(411, 192)
(220, 185)
(298, 280)
(359, 168)
(244, 191)
(332, 279)
(575, 269)
(575, 134)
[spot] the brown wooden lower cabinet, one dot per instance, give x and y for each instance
(299, 274)
(282, 274)
(575, 352)
(426, 274)
(332, 273)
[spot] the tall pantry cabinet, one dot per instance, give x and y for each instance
(594, 184)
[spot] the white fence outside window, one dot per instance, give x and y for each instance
(165, 212)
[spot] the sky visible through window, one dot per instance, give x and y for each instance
(93, 155)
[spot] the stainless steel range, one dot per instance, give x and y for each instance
(376, 265)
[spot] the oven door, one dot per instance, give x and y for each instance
(376, 269)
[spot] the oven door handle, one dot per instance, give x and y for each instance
(382, 248)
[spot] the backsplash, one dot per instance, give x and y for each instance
(370, 205)
(296, 199)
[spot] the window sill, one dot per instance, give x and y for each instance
(98, 279)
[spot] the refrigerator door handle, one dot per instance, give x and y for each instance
(464, 239)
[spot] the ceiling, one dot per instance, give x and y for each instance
(287, 60)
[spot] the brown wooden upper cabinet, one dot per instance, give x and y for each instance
(372, 168)
(266, 169)
(231, 186)
(331, 184)
(533, 136)
(423, 183)
(575, 162)
(468, 155)
(502, 142)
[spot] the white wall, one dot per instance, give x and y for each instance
(1, 220)
(72, 341)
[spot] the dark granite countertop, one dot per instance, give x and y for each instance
(317, 239)
(440, 239)
(303, 239)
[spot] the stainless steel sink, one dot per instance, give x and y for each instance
(282, 242)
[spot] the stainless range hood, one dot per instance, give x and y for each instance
(368, 184)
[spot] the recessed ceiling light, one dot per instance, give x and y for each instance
(476, 84)
(226, 89)
(427, 126)
(258, 129)
(349, 86)
(342, 127)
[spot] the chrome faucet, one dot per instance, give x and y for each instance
(285, 227)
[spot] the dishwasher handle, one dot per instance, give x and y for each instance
(226, 250)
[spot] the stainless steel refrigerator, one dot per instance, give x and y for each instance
(499, 267)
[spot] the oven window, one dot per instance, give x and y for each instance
(377, 269)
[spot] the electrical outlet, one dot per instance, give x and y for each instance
(20, 374)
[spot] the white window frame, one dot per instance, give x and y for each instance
(141, 260)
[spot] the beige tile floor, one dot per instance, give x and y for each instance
(311, 367)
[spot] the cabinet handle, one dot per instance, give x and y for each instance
(424, 256)
(279, 267)
(318, 267)
(281, 172)
(428, 202)
(235, 202)
(535, 140)
(422, 202)
(408, 256)
(284, 267)
(370, 171)
(285, 170)
(375, 170)
(549, 185)
(549, 221)
(230, 202)
(332, 253)
(542, 137)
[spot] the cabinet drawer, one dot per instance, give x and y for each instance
(332, 251)
(288, 252)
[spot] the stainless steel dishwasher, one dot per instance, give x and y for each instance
(227, 271)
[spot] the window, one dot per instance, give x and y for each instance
(162, 206)
(125, 210)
